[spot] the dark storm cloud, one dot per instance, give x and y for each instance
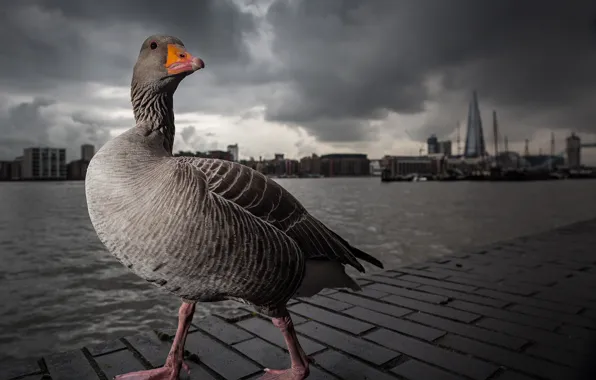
(355, 59)
(50, 41)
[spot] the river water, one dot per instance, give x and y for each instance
(61, 290)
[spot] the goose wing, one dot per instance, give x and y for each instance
(245, 257)
(267, 200)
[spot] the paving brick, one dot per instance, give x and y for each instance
(423, 273)
(232, 314)
(396, 324)
(347, 368)
(369, 292)
(396, 282)
(70, 365)
(529, 301)
(414, 348)
(566, 298)
(441, 310)
(577, 332)
(270, 333)
(19, 368)
(270, 356)
(372, 305)
(150, 347)
(464, 296)
(296, 319)
(421, 296)
(356, 346)
(219, 358)
(533, 334)
(416, 370)
(577, 320)
(421, 265)
(440, 284)
(470, 331)
(543, 276)
(471, 275)
(224, 331)
(341, 322)
(580, 290)
(505, 315)
(327, 302)
(328, 291)
(389, 273)
(520, 289)
(105, 347)
(552, 354)
(508, 358)
(510, 375)
(453, 264)
(196, 372)
(118, 363)
(35, 377)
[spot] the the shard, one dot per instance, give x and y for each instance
(474, 135)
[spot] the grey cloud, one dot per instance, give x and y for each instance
(36, 123)
(57, 40)
(361, 59)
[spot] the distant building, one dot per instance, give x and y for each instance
(405, 165)
(310, 165)
(17, 168)
(544, 160)
(444, 147)
(44, 163)
(77, 170)
(474, 135)
(87, 152)
(432, 145)
(219, 154)
(5, 170)
(573, 149)
(345, 164)
(233, 149)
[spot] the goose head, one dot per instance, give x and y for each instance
(162, 64)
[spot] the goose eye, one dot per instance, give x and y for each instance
(153, 45)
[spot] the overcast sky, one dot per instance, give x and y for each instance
(302, 76)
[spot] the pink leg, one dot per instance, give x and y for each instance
(175, 360)
(299, 368)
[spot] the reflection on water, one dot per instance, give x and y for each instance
(61, 290)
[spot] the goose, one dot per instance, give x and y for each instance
(205, 229)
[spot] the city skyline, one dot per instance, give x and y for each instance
(344, 83)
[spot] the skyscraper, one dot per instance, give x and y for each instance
(87, 152)
(432, 144)
(474, 135)
(233, 149)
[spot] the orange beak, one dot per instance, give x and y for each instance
(180, 61)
